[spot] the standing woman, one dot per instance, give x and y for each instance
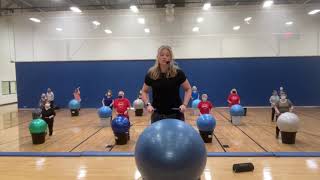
(48, 115)
(50, 97)
(165, 78)
(273, 101)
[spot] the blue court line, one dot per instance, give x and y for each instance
(131, 154)
(107, 154)
(240, 154)
(41, 154)
(297, 154)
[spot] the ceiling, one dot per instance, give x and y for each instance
(62, 5)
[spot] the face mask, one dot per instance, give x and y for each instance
(109, 94)
(233, 92)
(204, 99)
(47, 105)
(120, 96)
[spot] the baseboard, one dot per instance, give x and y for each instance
(8, 104)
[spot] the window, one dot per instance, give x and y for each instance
(13, 89)
(8, 87)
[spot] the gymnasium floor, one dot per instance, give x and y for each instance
(83, 134)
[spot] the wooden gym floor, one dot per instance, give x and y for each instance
(123, 168)
(83, 133)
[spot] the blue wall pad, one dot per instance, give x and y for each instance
(255, 78)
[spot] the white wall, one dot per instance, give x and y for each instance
(23, 40)
(80, 40)
(7, 69)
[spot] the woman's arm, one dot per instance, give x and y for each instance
(187, 95)
(229, 99)
(270, 100)
(291, 105)
(103, 102)
(144, 94)
(276, 109)
(145, 97)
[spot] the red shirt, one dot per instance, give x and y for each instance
(77, 96)
(233, 99)
(121, 105)
(205, 107)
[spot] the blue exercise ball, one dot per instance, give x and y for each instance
(170, 149)
(236, 110)
(74, 104)
(120, 124)
(206, 122)
(195, 103)
(105, 112)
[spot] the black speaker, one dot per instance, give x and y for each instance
(243, 167)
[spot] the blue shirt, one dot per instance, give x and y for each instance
(195, 95)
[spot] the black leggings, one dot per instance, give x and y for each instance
(157, 116)
(272, 113)
(52, 104)
(50, 124)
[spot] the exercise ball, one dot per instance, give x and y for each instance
(74, 104)
(206, 122)
(170, 150)
(288, 122)
(236, 110)
(36, 113)
(37, 126)
(105, 112)
(138, 104)
(120, 124)
(195, 103)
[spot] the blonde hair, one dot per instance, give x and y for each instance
(154, 71)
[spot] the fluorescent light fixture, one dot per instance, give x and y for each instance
(35, 20)
(134, 8)
(206, 6)
(108, 31)
(247, 19)
(313, 12)
(59, 29)
(195, 29)
(75, 9)
(141, 21)
(236, 28)
(289, 23)
(267, 4)
(146, 30)
(200, 19)
(97, 23)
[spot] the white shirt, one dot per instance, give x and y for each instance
(50, 96)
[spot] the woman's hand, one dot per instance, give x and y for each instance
(150, 109)
(182, 108)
